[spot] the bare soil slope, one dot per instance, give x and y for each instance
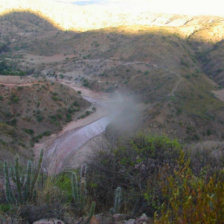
(31, 110)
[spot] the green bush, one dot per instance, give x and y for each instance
(63, 182)
(138, 166)
(7, 68)
(14, 98)
(29, 131)
(5, 207)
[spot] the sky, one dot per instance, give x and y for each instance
(189, 7)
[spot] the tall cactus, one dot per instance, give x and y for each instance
(79, 191)
(22, 185)
(75, 188)
(8, 190)
(91, 212)
(36, 174)
(117, 200)
(18, 180)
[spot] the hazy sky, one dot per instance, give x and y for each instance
(212, 7)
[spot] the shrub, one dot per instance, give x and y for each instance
(12, 122)
(85, 83)
(39, 116)
(206, 161)
(138, 166)
(190, 199)
(4, 207)
(14, 98)
(29, 131)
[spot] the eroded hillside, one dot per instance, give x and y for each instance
(31, 109)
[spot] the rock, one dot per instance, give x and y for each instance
(31, 213)
(130, 221)
(94, 220)
(144, 216)
(119, 217)
(144, 219)
(49, 221)
(104, 219)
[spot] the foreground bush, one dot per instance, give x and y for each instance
(138, 167)
(144, 174)
(191, 199)
(157, 177)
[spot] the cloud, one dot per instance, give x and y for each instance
(82, 2)
(192, 7)
(213, 7)
(88, 2)
(64, 1)
(189, 7)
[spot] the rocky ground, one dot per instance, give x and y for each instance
(96, 219)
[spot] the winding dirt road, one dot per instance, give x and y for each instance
(71, 140)
(61, 147)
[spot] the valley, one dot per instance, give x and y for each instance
(72, 140)
(117, 108)
(157, 66)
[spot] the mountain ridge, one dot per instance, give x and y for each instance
(79, 18)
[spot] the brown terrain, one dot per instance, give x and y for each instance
(31, 109)
(127, 108)
(167, 69)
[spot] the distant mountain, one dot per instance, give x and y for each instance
(84, 18)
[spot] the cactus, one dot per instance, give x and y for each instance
(18, 180)
(28, 180)
(36, 175)
(117, 200)
(91, 212)
(75, 187)
(79, 191)
(8, 190)
(23, 185)
(83, 171)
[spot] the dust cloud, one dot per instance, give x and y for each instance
(125, 113)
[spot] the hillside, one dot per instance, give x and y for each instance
(130, 116)
(32, 109)
(162, 66)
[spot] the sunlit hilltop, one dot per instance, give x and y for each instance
(109, 13)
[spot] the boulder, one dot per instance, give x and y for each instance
(144, 219)
(119, 217)
(130, 221)
(94, 220)
(102, 219)
(49, 221)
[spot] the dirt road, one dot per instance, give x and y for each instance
(59, 148)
